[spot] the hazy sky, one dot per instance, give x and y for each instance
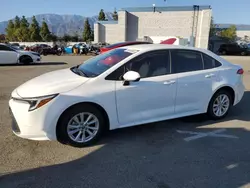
(224, 11)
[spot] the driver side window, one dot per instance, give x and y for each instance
(147, 65)
(154, 64)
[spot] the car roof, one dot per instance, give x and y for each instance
(150, 47)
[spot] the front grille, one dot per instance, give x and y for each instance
(14, 124)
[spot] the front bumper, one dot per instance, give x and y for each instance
(36, 58)
(14, 125)
(29, 125)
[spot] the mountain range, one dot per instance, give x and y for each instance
(62, 24)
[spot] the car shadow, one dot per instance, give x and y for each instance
(52, 63)
(152, 156)
(34, 64)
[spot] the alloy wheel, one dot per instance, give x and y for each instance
(83, 127)
(221, 105)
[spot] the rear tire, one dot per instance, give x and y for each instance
(25, 60)
(220, 105)
(74, 128)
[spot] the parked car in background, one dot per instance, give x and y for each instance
(102, 44)
(233, 49)
(14, 44)
(124, 87)
(13, 55)
(51, 51)
(38, 47)
(121, 44)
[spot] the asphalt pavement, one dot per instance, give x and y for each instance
(191, 152)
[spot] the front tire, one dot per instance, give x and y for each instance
(81, 126)
(220, 105)
(25, 60)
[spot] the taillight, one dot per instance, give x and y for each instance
(240, 71)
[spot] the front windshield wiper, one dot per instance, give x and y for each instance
(79, 71)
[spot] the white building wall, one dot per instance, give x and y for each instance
(135, 25)
(203, 28)
(163, 24)
(96, 32)
(241, 34)
(172, 23)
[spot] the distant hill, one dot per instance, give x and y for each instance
(62, 24)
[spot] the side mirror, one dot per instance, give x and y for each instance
(131, 76)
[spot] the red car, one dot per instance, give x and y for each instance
(121, 44)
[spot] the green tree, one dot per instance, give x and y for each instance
(44, 32)
(66, 38)
(17, 23)
(35, 31)
(229, 33)
(115, 15)
(212, 31)
(75, 38)
(101, 16)
(92, 35)
(87, 31)
(10, 31)
(22, 33)
(53, 37)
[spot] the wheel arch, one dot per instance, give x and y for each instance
(228, 89)
(24, 55)
(99, 107)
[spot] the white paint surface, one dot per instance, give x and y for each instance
(198, 135)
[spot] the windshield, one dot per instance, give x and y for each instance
(243, 46)
(14, 47)
(101, 63)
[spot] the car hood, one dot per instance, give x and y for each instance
(51, 83)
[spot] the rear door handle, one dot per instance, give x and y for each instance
(209, 75)
(169, 82)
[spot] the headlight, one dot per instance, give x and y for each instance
(38, 102)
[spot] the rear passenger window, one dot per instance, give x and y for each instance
(186, 61)
(210, 62)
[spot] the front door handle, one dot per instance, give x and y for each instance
(170, 82)
(209, 75)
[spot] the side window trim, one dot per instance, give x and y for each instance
(202, 59)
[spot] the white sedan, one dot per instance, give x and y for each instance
(12, 55)
(125, 87)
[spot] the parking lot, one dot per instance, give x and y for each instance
(191, 152)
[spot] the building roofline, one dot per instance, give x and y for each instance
(165, 9)
(107, 22)
(239, 27)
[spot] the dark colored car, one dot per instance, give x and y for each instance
(121, 44)
(233, 49)
(39, 47)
